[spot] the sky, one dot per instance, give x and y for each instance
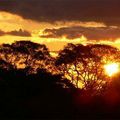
(58, 22)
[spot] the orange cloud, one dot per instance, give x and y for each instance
(10, 24)
(19, 32)
(91, 33)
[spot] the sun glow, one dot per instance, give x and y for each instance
(111, 69)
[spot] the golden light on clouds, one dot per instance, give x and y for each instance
(11, 22)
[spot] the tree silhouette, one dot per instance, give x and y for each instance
(106, 52)
(23, 54)
(50, 89)
(7, 54)
(32, 51)
(82, 67)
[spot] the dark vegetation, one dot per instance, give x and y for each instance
(34, 84)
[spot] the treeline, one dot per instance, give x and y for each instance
(34, 84)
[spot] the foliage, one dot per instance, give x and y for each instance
(73, 84)
(23, 54)
(84, 65)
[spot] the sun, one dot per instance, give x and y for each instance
(111, 68)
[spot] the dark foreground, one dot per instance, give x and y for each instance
(39, 96)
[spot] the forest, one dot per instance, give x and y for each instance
(83, 81)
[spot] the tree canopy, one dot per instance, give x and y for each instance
(84, 65)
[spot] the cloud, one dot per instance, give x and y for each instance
(62, 10)
(1, 33)
(91, 33)
(11, 22)
(20, 32)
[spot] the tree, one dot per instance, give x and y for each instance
(23, 54)
(82, 67)
(106, 52)
(7, 54)
(31, 51)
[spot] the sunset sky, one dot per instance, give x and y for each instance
(57, 22)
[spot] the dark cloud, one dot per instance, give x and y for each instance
(91, 33)
(2, 33)
(53, 10)
(16, 33)
(19, 33)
